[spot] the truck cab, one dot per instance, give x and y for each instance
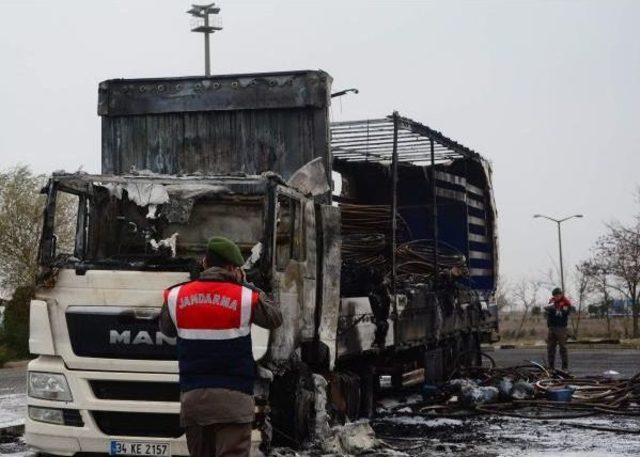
(105, 373)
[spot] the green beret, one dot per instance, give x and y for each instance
(225, 249)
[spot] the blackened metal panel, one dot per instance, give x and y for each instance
(307, 88)
(247, 141)
(329, 277)
(266, 122)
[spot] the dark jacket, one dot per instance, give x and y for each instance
(557, 312)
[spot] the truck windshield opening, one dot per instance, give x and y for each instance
(144, 226)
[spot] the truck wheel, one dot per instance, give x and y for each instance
(462, 355)
(475, 350)
(367, 392)
(448, 357)
(316, 355)
(291, 398)
(344, 396)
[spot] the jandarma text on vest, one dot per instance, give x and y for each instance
(208, 299)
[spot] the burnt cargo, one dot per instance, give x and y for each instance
(247, 123)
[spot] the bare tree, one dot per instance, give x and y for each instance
(617, 261)
(525, 294)
(501, 294)
(584, 287)
(597, 274)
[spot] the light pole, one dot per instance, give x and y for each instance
(202, 12)
(559, 222)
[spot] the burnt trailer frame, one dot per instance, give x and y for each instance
(396, 141)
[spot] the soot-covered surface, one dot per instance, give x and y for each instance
(491, 436)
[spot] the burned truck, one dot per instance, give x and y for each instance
(376, 238)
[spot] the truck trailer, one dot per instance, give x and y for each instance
(376, 238)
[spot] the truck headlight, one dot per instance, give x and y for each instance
(49, 386)
(48, 415)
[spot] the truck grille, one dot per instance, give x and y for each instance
(138, 424)
(134, 390)
(118, 332)
(72, 417)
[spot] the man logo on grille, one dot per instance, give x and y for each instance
(141, 337)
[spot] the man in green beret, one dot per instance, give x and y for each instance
(211, 318)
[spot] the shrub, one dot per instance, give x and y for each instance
(14, 335)
(5, 356)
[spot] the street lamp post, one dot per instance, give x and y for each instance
(559, 222)
(202, 12)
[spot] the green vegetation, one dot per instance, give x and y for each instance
(21, 209)
(14, 333)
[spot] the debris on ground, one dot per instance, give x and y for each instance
(351, 439)
(525, 390)
(489, 411)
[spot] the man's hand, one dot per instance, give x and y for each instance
(240, 275)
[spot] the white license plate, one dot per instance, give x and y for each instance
(146, 448)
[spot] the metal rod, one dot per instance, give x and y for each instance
(361, 122)
(373, 158)
(434, 196)
(337, 141)
(560, 251)
(394, 210)
(389, 149)
(558, 223)
(207, 56)
(406, 148)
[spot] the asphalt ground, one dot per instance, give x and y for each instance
(582, 361)
(13, 380)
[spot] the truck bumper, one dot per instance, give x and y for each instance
(95, 422)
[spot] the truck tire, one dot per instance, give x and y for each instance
(448, 357)
(367, 392)
(316, 355)
(292, 400)
(475, 349)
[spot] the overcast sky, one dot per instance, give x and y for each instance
(548, 91)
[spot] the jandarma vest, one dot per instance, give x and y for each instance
(213, 322)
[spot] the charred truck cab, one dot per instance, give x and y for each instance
(102, 293)
(390, 277)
